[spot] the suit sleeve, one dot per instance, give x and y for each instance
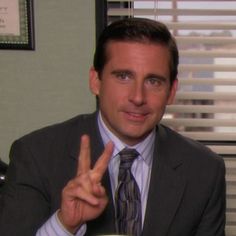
(25, 202)
(213, 219)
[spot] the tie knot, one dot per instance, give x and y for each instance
(127, 156)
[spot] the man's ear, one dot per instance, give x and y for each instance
(94, 81)
(173, 90)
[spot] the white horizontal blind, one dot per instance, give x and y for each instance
(205, 106)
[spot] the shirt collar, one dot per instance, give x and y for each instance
(145, 147)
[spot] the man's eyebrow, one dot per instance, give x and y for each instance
(118, 71)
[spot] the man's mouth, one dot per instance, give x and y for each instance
(135, 116)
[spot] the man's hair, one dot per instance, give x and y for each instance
(136, 30)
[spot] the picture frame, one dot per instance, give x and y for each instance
(17, 24)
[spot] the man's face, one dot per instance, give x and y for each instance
(134, 88)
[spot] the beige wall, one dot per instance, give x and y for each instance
(49, 84)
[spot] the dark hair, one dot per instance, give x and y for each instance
(137, 30)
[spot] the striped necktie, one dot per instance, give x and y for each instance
(128, 200)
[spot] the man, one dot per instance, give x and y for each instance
(63, 179)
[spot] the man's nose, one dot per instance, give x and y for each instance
(137, 94)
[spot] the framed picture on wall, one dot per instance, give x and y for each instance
(17, 24)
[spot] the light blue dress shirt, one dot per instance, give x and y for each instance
(141, 170)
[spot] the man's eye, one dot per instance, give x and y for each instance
(154, 81)
(123, 76)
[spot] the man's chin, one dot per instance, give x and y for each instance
(134, 137)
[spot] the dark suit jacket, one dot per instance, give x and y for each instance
(186, 195)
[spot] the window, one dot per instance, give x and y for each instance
(205, 106)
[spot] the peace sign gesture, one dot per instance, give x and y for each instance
(84, 198)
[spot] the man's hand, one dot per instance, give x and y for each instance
(84, 198)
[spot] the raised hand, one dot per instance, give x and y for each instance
(84, 198)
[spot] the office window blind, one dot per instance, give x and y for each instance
(205, 105)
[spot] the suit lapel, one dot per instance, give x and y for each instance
(166, 187)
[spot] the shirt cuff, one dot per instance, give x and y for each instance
(53, 227)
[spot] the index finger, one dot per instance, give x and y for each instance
(102, 162)
(84, 155)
